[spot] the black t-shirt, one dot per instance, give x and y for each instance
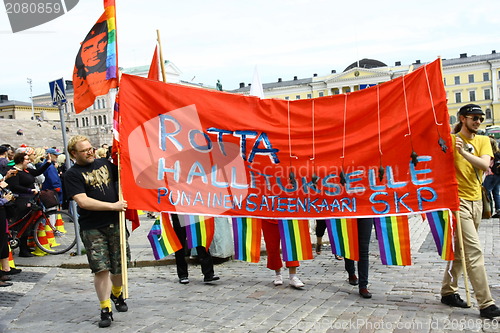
(98, 181)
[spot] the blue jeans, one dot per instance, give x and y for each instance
(364, 234)
(492, 185)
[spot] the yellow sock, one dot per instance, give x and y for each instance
(116, 291)
(106, 304)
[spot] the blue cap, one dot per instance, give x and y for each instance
(53, 151)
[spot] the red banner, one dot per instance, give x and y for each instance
(385, 150)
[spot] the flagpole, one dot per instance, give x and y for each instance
(462, 255)
(123, 236)
(163, 74)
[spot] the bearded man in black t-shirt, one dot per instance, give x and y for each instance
(92, 183)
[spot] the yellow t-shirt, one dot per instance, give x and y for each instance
(468, 184)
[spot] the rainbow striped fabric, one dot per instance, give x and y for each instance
(295, 240)
(111, 58)
(393, 240)
(199, 230)
(163, 238)
(440, 223)
(343, 234)
(247, 235)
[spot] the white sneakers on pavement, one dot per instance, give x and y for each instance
(296, 283)
(278, 280)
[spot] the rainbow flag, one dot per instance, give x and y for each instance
(441, 227)
(163, 238)
(295, 240)
(247, 234)
(111, 56)
(343, 234)
(199, 230)
(393, 239)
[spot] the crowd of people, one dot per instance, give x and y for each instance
(90, 182)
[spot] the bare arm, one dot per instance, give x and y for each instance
(480, 162)
(88, 203)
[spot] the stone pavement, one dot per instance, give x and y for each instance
(52, 295)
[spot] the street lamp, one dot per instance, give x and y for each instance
(31, 96)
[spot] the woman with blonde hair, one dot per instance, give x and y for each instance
(101, 153)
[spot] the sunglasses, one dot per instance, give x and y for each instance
(87, 151)
(476, 118)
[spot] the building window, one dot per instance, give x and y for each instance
(100, 120)
(487, 94)
(95, 120)
(104, 119)
(453, 120)
(457, 79)
(444, 81)
(287, 98)
(488, 113)
(72, 108)
(471, 78)
(486, 76)
(98, 103)
(297, 97)
(76, 122)
(11, 116)
(458, 97)
(321, 94)
(472, 96)
(309, 96)
(103, 103)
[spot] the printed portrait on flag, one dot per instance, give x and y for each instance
(95, 70)
(91, 60)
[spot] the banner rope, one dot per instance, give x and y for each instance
(413, 154)
(291, 174)
(441, 141)
(381, 169)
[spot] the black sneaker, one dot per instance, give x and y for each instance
(211, 278)
(12, 271)
(120, 304)
(490, 312)
(454, 300)
(184, 280)
(106, 318)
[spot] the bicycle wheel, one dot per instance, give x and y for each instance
(55, 232)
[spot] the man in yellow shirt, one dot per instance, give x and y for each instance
(472, 157)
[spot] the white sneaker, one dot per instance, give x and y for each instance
(296, 283)
(278, 280)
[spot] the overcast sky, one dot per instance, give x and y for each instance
(225, 39)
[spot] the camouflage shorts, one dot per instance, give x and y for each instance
(103, 248)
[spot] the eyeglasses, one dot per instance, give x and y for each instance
(87, 151)
(476, 118)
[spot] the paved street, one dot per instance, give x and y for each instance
(46, 297)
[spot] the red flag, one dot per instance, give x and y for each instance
(133, 216)
(95, 69)
(154, 69)
(130, 214)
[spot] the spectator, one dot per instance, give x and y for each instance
(23, 184)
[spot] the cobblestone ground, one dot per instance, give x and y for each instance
(405, 299)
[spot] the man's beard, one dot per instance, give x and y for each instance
(470, 129)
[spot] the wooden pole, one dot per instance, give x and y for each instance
(123, 238)
(162, 64)
(462, 255)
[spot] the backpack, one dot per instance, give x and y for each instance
(495, 168)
